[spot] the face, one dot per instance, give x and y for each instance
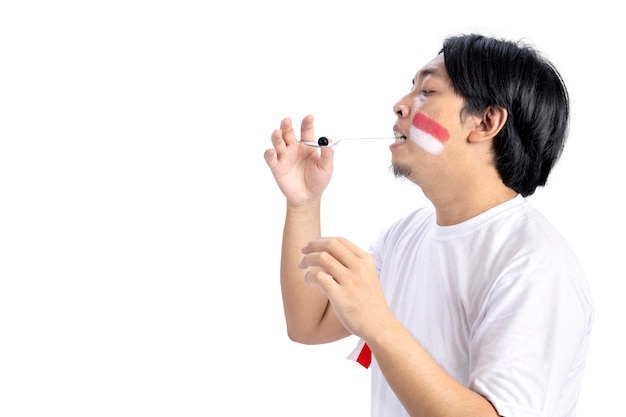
(429, 127)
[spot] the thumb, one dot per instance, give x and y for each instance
(326, 158)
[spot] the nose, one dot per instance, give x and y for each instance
(401, 110)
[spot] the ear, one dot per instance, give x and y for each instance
(488, 126)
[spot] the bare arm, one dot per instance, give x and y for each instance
(302, 173)
(423, 387)
(347, 275)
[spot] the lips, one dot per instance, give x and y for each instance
(400, 137)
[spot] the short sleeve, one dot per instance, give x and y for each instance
(528, 348)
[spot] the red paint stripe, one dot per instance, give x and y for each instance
(428, 125)
(365, 356)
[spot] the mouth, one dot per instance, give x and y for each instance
(399, 137)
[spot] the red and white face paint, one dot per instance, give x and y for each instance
(428, 134)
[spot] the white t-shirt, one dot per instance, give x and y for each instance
(499, 301)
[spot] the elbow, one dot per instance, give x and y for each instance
(299, 336)
(304, 334)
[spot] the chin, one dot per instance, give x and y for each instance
(400, 171)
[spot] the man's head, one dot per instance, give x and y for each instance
(492, 73)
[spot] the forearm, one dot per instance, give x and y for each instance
(304, 304)
(423, 387)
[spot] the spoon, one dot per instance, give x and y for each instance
(323, 142)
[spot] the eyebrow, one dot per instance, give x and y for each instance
(424, 72)
(434, 71)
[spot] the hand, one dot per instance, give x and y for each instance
(302, 172)
(348, 277)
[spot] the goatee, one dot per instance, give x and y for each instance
(400, 172)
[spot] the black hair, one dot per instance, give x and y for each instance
(513, 75)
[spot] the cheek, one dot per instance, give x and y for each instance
(428, 134)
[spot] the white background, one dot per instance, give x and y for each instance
(140, 227)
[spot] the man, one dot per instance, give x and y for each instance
(476, 306)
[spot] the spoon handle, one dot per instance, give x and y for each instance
(323, 142)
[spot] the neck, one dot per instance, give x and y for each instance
(470, 203)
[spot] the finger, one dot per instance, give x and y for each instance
(326, 158)
(278, 142)
(330, 256)
(353, 248)
(320, 278)
(270, 158)
(307, 133)
(286, 128)
(339, 249)
(322, 261)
